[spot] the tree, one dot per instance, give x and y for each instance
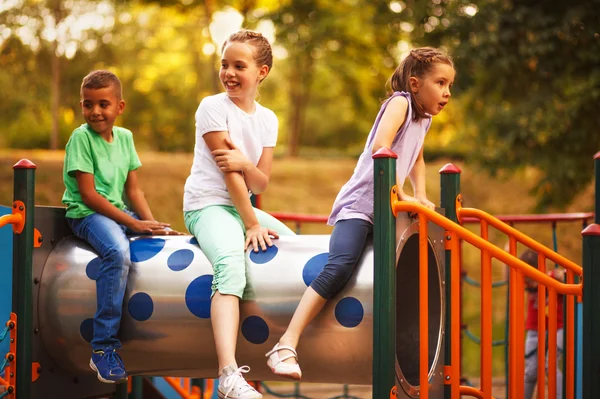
(530, 73)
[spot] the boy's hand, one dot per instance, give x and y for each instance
(258, 235)
(231, 160)
(147, 226)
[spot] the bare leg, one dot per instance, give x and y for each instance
(225, 316)
(309, 307)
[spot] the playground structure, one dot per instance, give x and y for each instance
(58, 281)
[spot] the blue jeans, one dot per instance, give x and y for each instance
(345, 248)
(108, 238)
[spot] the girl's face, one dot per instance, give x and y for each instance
(432, 91)
(239, 73)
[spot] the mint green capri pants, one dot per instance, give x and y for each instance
(221, 235)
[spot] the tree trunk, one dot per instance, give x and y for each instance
(299, 98)
(55, 102)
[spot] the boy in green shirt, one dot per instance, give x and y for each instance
(100, 166)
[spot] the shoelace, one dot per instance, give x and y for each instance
(234, 377)
(113, 360)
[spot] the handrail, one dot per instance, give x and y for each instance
(13, 218)
(525, 218)
(540, 218)
(522, 238)
(510, 260)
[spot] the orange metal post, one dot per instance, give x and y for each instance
(541, 353)
(552, 324)
(486, 317)
(423, 308)
(519, 322)
(570, 349)
(456, 321)
(513, 377)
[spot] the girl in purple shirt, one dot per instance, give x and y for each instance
(420, 89)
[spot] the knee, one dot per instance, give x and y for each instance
(331, 280)
(229, 276)
(118, 255)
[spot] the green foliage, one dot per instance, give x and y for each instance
(530, 71)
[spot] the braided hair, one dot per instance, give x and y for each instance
(417, 63)
(263, 54)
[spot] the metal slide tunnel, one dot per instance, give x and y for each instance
(166, 327)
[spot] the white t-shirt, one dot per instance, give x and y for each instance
(249, 132)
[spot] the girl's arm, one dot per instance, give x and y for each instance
(238, 191)
(392, 119)
(417, 179)
(232, 160)
(96, 202)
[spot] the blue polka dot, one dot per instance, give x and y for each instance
(193, 241)
(349, 312)
(180, 259)
(86, 329)
(261, 256)
(197, 296)
(93, 268)
(140, 306)
(313, 267)
(255, 330)
(145, 248)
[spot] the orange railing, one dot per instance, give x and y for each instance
(519, 270)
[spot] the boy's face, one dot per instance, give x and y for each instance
(100, 108)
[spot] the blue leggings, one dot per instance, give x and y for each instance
(345, 248)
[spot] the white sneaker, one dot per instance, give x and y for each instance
(232, 384)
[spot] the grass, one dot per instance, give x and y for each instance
(310, 185)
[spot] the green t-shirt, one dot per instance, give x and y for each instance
(110, 163)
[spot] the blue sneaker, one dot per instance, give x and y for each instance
(109, 366)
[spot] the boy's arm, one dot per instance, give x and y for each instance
(98, 203)
(136, 197)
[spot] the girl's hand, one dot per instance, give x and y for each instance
(147, 226)
(258, 235)
(231, 160)
(167, 231)
(425, 202)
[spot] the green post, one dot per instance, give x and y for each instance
(22, 285)
(449, 190)
(137, 387)
(384, 283)
(121, 391)
(591, 299)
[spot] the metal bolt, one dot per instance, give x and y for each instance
(12, 375)
(21, 208)
(40, 239)
(447, 378)
(11, 357)
(11, 325)
(52, 241)
(10, 389)
(448, 238)
(36, 280)
(12, 340)
(36, 331)
(15, 206)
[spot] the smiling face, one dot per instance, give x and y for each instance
(239, 73)
(432, 91)
(100, 108)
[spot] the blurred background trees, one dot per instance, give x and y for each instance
(526, 94)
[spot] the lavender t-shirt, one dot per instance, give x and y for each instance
(355, 199)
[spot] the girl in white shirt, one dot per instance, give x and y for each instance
(235, 138)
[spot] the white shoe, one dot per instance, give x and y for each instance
(232, 384)
(277, 365)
